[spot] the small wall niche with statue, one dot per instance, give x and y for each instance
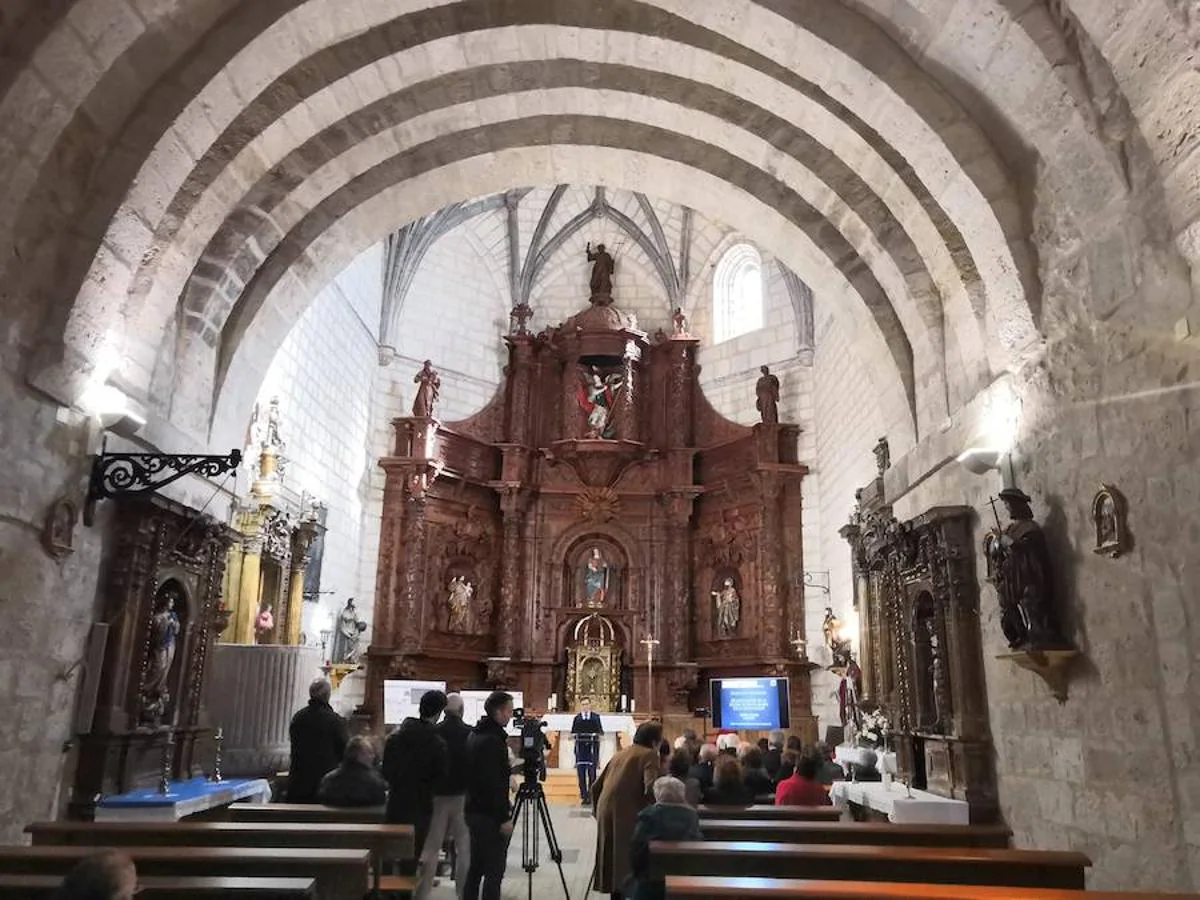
(1109, 511)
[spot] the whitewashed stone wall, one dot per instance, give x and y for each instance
(323, 376)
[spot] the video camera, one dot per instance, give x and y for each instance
(533, 745)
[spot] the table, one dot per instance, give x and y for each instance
(184, 798)
(893, 801)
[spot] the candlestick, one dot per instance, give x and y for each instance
(168, 758)
(650, 643)
(218, 739)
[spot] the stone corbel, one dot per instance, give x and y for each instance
(1052, 666)
(418, 481)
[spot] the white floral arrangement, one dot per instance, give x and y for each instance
(875, 728)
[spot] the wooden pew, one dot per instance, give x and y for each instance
(835, 862)
(339, 874)
(36, 887)
(872, 834)
(385, 842)
(685, 887)
(300, 812)
(770, 813)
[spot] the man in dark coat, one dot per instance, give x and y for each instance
(488, 810)
(449, 802)
(414, 761)
(356, 782)
(318, 736)
(587, 729)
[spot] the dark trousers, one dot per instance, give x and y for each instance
(489, 855)
(587, 778)
(420, 821)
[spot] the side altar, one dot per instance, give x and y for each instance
(597, 529)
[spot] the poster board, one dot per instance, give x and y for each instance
(402, 699)
(473, 702)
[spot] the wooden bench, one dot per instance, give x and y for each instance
(835, 862)
(684, 887)
(872, 834)
(34, 887)
(771, 813)
(339, 874)
(300, 812)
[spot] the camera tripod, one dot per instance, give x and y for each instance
(527, 811)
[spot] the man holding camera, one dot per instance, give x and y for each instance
(488, 811)
(586, 729)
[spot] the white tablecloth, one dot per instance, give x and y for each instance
(893, 801)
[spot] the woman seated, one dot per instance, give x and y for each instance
(803, 788)
(669, 819)
(680, 766)
(729, 789)
(754, 773)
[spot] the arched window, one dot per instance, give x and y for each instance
(737, 293)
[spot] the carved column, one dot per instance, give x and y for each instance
(391, 546)
(676, 609)
(412, 576)
(249, 589)
(302, 541)
(626, 412)
(774, 585)
(513, 501)
(520, 378)
(680, 393)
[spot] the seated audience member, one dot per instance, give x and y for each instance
(795, 745)
(754, 774)
(693, 742)
(107, 875)
(356, 782)
(763, 745)
(787, 765)
(680, 766)
(829, 771)
(729, 789)
(802, 789)
(773, 754)
(727, 744)
(702, 770)
(669, 819)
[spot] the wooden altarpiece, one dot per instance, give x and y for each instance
(922, 661)
(501, 533)
(167, 560)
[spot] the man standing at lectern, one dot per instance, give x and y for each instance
(586, 729)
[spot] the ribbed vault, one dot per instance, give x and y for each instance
(254, 134)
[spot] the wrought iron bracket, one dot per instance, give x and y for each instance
(132, 474)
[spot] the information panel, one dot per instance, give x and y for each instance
(473, 702)
(402, 699)
(750, 704)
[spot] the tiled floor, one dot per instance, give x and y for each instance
(576, 833)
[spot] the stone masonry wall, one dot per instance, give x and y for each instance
(1112, 772)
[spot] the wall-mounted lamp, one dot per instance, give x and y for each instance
(981, 460)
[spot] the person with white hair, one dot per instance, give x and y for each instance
(449, 805)
(728, 744)
(318, 736)
(705, 766)
(669, 819)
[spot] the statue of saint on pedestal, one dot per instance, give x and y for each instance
(429, 387)
(347, 634)
(164, 633)
(598, 397)
(767, 392)
(264, 624)
(602, 271)
(1020, 562)
(729, 609)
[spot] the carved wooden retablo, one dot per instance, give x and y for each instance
(597, 483)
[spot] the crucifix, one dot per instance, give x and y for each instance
(650, 643)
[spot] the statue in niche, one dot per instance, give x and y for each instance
(729, 608)
(767, 391)
(598, 397)
(428, 390)
(602, 272)
(937, 665)
(1019, 560)
(164, 635)
(1108, 515)
(274, 437)
(58, 531)
(264, 624)
(839, 646)
(347, 634)
(458, 603)
(596, 578)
